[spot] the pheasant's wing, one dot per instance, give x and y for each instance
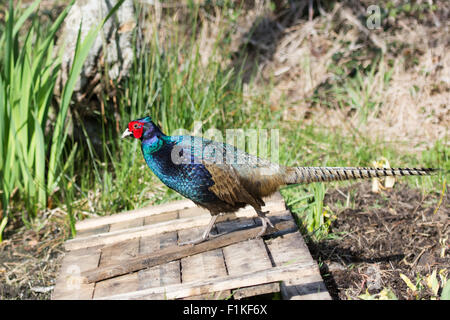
(228, 187)
(237, 175)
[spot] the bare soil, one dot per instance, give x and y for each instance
(381, 237)
(30, 259)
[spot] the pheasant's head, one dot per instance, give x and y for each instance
(141, 128)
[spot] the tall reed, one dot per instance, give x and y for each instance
(31, 147)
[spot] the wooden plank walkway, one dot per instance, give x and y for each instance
(134, 255)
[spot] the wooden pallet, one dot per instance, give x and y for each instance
(238, 269)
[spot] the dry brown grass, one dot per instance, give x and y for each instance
(30, 257)
(412, 107)
(295, 55)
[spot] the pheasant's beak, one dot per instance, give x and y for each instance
(126, 133)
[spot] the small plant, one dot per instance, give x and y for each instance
(385, 294)
(436, 288)
(310, 210)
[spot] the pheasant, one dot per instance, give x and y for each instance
(223, 179)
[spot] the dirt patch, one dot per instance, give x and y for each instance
(380, 237)
(30, 260)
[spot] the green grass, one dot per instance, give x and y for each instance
(170, 83)
(27, 77)
(31, 161)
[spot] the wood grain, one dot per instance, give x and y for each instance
(164, 274)
(69, 284)
(292, 249)
(173, 253)
(206, 286)
(204, 265)
(133, 214)
(238, 260)
(116, 254)
(134, 255)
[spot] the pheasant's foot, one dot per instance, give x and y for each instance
(205, 236)
(193, 242)
(201, 239)
(265, 221)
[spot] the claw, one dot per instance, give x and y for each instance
(205, 236)
(265, 221)
(192, 242)
(200, 239)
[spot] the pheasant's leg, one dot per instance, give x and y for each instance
(265, 221)
(205, 234)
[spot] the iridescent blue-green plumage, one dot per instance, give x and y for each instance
(223, 179)
(192, 180)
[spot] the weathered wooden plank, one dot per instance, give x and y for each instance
(152, 229)
(137, 232)
(258, 290)
(151, 244)
(246, 255)
(227, 226)
(306, 288)
(146, 241)
(205, 265)
(251, 278)
(119, 252)
(288, 249)
(238, 260)
(173, 253)
(114, 254)
(166, 216)
(133, 214)
(292, 249)
(164, 274)
(92, 231)
(122, 284)
(273, 203)
(192, 212)
(138, 222)
(69, 285)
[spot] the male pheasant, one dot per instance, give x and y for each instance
(222, 178)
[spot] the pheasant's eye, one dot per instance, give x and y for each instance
(135, 126)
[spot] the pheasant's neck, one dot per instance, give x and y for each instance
(157, 155)
(153, 144)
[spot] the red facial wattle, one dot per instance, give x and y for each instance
(137, 128)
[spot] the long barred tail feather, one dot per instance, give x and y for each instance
(297, 175)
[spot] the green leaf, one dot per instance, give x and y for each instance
(433, 283)
(408, 282)
(387, 294)
(367, 296)
(445, 295)
(2, 227)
